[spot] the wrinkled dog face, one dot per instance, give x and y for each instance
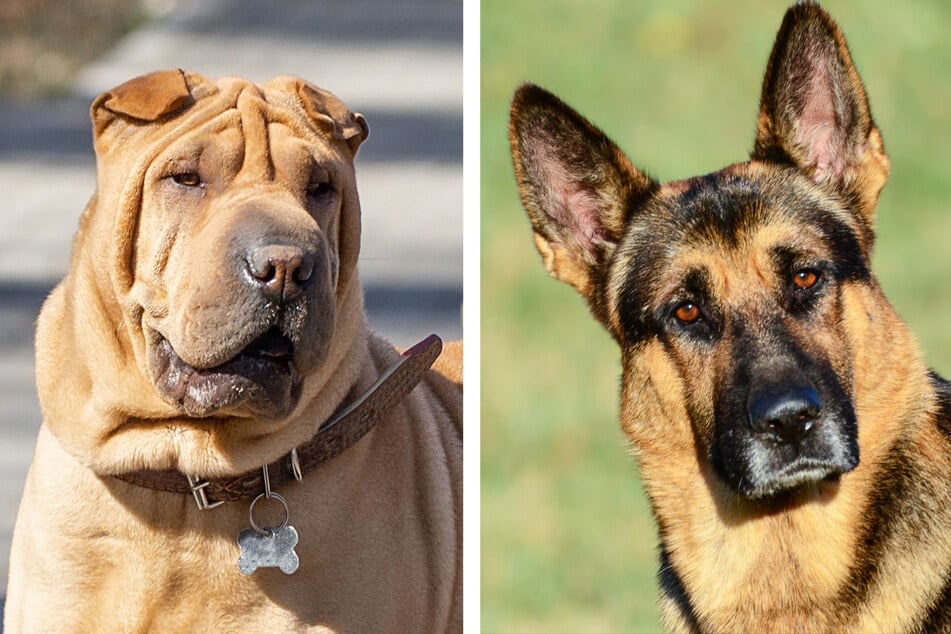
(236, 258)
(249, 268)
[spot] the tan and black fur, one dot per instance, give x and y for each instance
(795, 448)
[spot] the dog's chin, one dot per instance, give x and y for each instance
(261, 380)
(760, 469)
(800, 475)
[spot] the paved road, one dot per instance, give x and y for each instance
(399, 63)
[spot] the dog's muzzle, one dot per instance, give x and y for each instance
(786, 434)
(272, 319)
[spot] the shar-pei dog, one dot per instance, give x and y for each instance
(225, 445)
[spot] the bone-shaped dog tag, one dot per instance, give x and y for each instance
(274, 548)
(263, 547)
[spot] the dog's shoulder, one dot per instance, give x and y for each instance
(445, 380)
(440, 387)
(449, 362)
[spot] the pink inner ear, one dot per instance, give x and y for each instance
(574, 207)
(819, 133)
(585, 207)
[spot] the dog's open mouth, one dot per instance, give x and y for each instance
(262, 377)
(272, 346)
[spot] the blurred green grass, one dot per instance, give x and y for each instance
(568, 544)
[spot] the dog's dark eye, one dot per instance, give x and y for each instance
(688, 313)
(319, 190)
(187, 179)
(805, 279)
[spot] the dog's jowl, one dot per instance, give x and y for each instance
(795, 449)
(225, 444)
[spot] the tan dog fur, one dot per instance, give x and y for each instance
(380, 525)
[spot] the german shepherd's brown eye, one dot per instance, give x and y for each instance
(805, 279)
(187, 179)
(688, 313)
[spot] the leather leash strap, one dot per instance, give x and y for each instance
(335, 436)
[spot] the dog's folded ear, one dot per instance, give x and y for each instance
(144, 103)
(149, 97)
(576, 185)
(144, 99)
(325, 109)
(814, 112)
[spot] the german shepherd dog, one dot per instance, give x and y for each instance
(795, 448)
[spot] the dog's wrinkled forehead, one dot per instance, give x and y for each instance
(169, 103)
(142, 121)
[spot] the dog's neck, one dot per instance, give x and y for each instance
(351, 423)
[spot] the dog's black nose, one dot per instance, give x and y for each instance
(787, 413)
(280, 271)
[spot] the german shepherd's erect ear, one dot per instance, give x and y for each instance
(814, 113)
(577, 187)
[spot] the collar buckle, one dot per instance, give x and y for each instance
(197, 486)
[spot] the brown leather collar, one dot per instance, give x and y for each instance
(335, 436)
